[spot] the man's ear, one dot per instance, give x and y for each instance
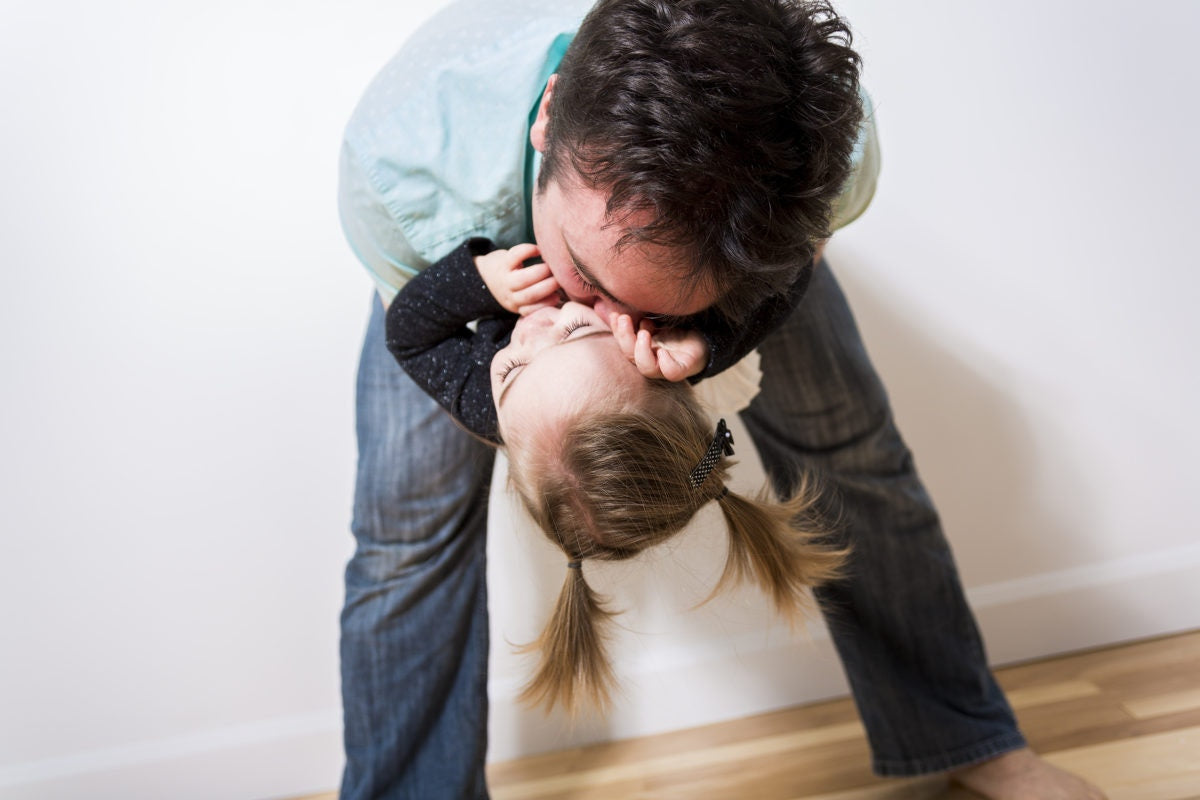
(537, 131)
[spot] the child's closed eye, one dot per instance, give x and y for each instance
(573, 326)
(508, 367)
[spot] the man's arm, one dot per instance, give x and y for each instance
(427, 333)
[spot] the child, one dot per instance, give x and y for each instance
(607, 462)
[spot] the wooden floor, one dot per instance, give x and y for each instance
(1126, 718)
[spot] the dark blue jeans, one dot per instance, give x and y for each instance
(414, 628)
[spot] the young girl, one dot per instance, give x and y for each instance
(607, 462)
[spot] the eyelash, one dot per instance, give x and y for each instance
(573, 326)
(583, 282)
(509, 367)
(570, 328)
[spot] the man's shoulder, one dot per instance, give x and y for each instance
(440, 133)
(472, 54)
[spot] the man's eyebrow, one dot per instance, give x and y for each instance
(517, 377)
(590, 278)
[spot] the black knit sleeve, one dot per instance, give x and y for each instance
(728, 341)
(428, 334)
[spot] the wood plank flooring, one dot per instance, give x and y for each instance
(1127, 718)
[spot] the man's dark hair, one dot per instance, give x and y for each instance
(731, 121)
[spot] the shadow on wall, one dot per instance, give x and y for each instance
(1031, 509)
(974, 444)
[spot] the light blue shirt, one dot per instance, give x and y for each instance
(437, 149)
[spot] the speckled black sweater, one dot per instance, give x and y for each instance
(427, 333)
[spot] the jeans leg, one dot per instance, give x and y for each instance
(900, 621)
(414, 642)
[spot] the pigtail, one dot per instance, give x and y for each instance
(779, 546)
(614, 482)
(573, 659)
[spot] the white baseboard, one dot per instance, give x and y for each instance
(1078, 608)
(1090, 606)
(275, 758)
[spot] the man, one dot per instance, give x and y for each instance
(681, 163)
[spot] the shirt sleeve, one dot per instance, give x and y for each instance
(429, 336)
(371, 228)
(860, 186)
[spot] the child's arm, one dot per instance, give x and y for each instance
(428, 335)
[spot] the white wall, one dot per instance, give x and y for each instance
(181, 320)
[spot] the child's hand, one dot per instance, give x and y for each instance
(670, 353)
(519, 289)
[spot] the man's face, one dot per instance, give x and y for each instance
(578, 242)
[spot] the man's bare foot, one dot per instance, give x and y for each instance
(1024, 775)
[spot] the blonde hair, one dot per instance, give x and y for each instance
(618, 483)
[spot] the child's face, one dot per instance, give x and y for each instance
(560, 361)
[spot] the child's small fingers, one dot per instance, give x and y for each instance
(623, 332)
(521, 278)
(532, 307)
(538, 291)
(644, 358)
(674, 366)
(522, 252)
